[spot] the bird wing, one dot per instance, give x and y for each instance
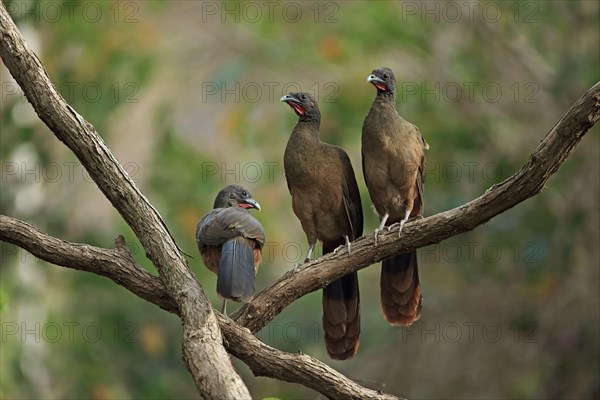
(222, 224)
(419, 205)
(420, 135)
(351, 196)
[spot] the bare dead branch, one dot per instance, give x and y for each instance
(204, 354)
(179, 292)
(118, 265)
(544, 161)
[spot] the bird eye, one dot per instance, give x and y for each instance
(244, 193)
(303, 97)
(385, 76)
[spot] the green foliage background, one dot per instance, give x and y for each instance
(186, 95)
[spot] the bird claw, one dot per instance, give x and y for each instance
(400, 229)
(347, 246)
(375, 235)
(296, 266)
(403, 221)
(381, 225)
(309, 254)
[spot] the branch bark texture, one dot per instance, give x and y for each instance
(204, 354)
(529, 181)
(118, 265)
(178, 291)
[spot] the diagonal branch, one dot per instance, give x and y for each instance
(118, 265)
(180, 291)
(546, 159)
(530, 180)
(206, 359)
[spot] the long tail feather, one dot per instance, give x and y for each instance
(401, 299)
(341, 316)
(235, 279)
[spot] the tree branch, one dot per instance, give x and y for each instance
(180, 292)
(530, 180)
(204, 354)
(118, 265)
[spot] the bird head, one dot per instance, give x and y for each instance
(303, 104)
(235, 196)
(383, 79)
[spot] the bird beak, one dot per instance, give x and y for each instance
(252, 203)
(294, 103)
(374, 78)
(287, 98)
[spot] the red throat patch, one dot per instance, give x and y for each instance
(299, 110)
(380, 86)
(244, 205)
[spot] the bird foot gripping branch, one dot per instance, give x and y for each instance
(347, 246)
(381, 226)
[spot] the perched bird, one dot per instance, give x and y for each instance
(230, 241)
(326, 200)
(393, 160)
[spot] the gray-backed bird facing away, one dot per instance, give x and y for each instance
(326, 200)
(393, 159)
(230, 241)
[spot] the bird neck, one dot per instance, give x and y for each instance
(386, 97)
(311, 118)
(303, 147)
(306, 131)
(384, 106)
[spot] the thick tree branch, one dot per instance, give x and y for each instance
(264, 360)
(204, 354)
(530, 180)
(178, 291)
(118, 265)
